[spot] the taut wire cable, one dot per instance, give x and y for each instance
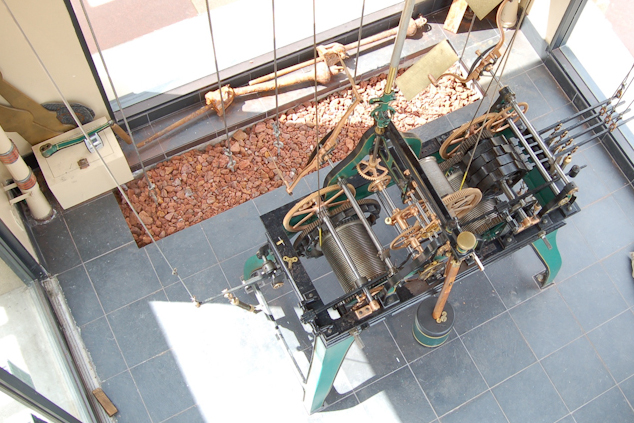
(79, 125)
(276, 127)
(227, 150)
(502, 64)
(116, 96)
(356, 60)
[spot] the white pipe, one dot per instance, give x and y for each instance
(24, 178)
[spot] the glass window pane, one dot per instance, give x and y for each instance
(601, 47)
(154, 47)
(28, 351)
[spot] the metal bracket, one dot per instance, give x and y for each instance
(383, 112)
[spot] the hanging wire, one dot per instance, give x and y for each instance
(276, 126)
(316, 116)
(79, 125)
(621, 86)
(464, 48)
(356, 60)
(150, 185)
(227, 150)
(502, 65)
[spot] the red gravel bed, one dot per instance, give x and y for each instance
(197, 185)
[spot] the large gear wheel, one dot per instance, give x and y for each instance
(462, 133)
(461, 202)
(371, 170)
(308, 207)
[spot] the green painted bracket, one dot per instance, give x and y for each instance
(550, 257)
(324, 366)
(351, 162)
(49, 149)
(383, 112)
(252, 264)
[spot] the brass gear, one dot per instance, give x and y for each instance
(371, 170)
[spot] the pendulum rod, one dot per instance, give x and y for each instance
(408, 9)
(83, 131)
(316, 115)
(228, 153)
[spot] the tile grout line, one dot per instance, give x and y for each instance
(538, 361)
(583, 335)
(411, 371)
(105, 316)
(179, 413)
(108, 252)
(617, 384)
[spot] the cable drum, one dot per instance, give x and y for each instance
(359, 246)
(436, 176)
(481, 225)
(455, 179)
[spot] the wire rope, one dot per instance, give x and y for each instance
(116, 96)
(227, 150)
(356, 60)
(276, 127)
(464, 48)
(502, 65)
(79, 125)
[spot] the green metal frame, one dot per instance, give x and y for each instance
(324, 366)
(549, 256)
(253, 263)
(350, 168)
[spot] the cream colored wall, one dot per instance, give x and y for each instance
(545, 15)
(50, 30)
(11, 218)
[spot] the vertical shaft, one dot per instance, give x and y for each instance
(408, 8)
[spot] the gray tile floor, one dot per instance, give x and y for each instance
(517, 353)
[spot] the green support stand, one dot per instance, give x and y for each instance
(549, 256)
(324, 366)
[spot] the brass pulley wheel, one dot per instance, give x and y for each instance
(499, 122)
(403, 240)
(462, 133)
(379, 184)
(371, 170)
(308, 207)
(461, 202)
(413, 235)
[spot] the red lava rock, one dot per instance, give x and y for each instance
(240, 135)
(260, 127)
(200, 178)
(145, 218)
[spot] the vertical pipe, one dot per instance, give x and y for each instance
(24, 178)
(408, 8)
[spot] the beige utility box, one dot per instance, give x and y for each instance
(72, 185)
